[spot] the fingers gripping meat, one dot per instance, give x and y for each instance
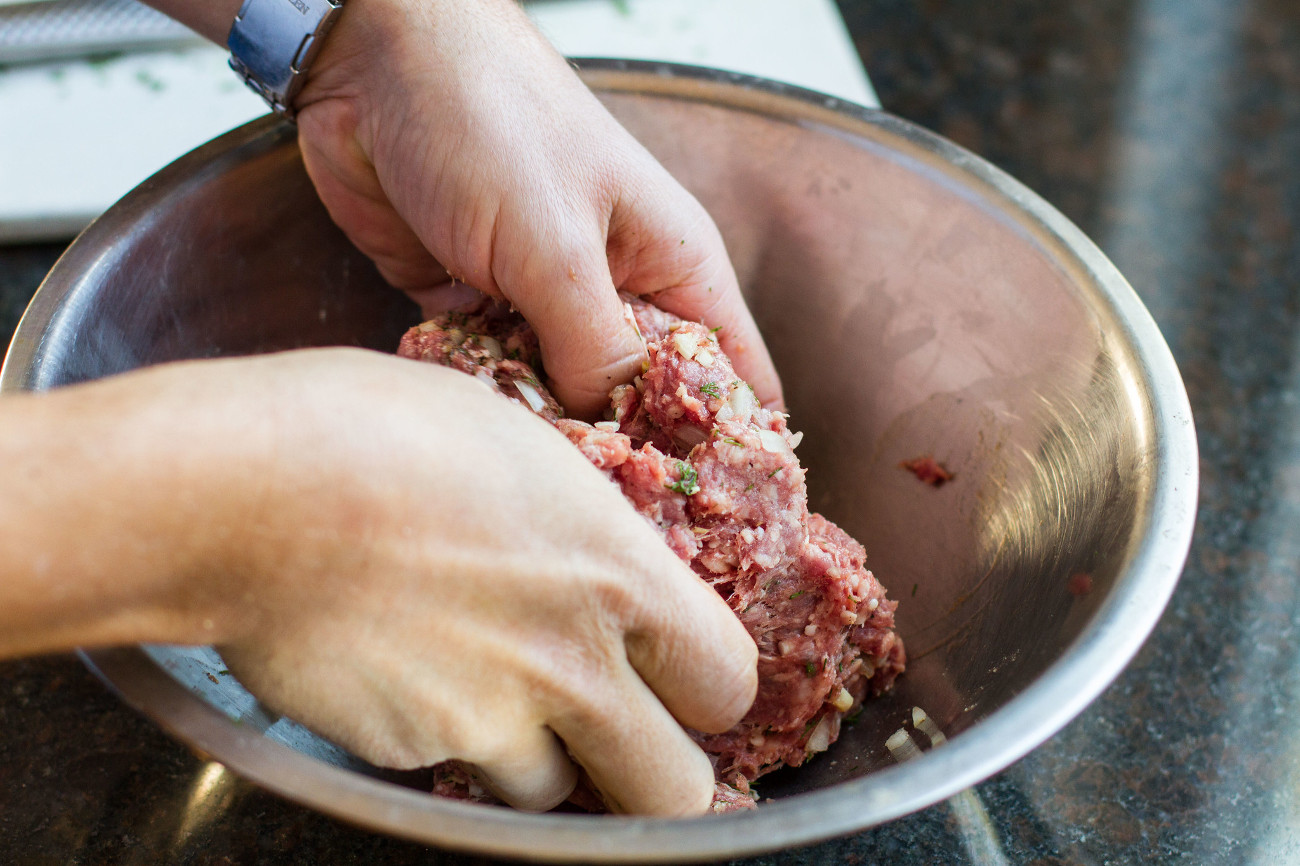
(715, 473)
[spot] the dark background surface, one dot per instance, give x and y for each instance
(1170, 132)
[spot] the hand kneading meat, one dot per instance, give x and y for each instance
(716, 474)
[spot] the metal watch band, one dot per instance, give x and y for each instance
(273, 42)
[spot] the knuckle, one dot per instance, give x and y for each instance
(616, 598)
(574, 683)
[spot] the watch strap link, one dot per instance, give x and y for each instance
(273, 42)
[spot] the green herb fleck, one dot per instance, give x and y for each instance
(853, 718)
(774, 471)
(750, 487)
(715, 330)
(710, 389)
(810, 669)
(223, 672)
(914, 586)
(731, 441)
(688, 484)
(150, 81)
(102, 60)
(795, 595)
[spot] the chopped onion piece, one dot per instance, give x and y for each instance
(705, 357)
(741, 400)
(773, 442)
(843, 701)
(686, 344)
(795, 439)
(426, 327)
(531, 395)
(901, 746)
(493, 347)
(486, 378)
(820, 739)
(687, 437)
(630, 318)
(926, 725)
(607, 426)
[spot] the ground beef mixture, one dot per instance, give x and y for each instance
(716, 474)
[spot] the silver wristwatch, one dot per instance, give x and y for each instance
(272, 42)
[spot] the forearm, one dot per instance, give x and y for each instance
(108, 518)
(212, 18)
(208, 18)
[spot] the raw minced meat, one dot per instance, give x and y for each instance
(697, 456)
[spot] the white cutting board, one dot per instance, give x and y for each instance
(76, 136)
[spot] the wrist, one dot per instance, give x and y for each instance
(387, 47)
(273, 44)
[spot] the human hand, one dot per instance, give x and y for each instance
(434, 573)
(448, 138)
(382, 549)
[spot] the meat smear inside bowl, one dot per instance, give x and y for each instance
(716, 474)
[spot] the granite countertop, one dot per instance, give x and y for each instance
(1170, 132)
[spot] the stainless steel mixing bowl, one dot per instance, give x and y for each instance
(917, 301)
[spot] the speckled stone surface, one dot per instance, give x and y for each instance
(1170, 132)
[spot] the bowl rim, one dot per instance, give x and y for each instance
(1114, 634)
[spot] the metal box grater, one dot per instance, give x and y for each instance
(56, 29)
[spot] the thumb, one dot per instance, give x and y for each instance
(589, 342)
